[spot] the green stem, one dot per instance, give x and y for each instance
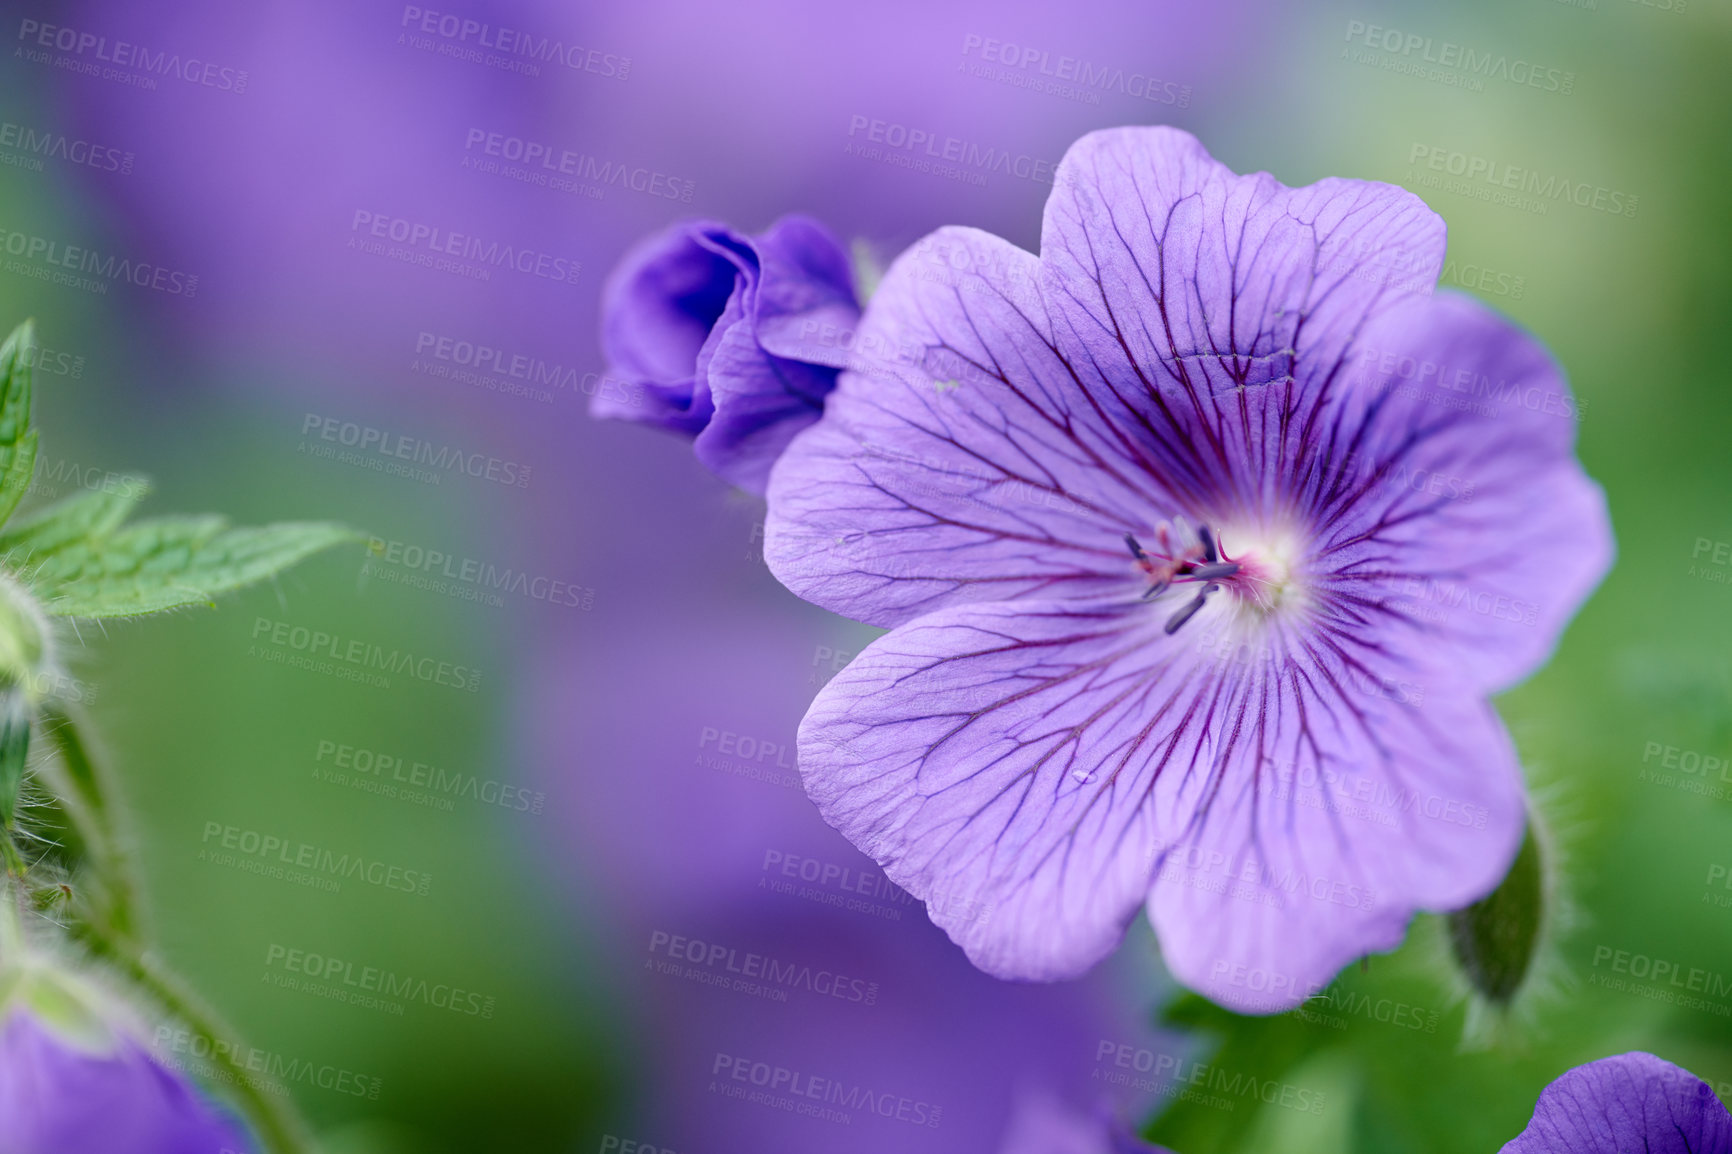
(273, 1120)
(113, 926)
(82, 783)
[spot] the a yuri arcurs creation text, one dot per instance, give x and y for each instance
(1202, 538)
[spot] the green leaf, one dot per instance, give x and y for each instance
(81, 518)
(1494, 939)
(171, 562)
(17, 438)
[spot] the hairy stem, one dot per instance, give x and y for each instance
(112, 925)
(273, 1120)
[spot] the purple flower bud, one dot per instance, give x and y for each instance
(75, 1078)
(732, 340)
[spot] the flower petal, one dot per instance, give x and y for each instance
(1180, 284)
(760, 401)
(1452, 507)
(657, 311)
(1629, 1102)
(805, 301)
(992, 758)
(962, 462)
(1330, 824)
(1027, 769)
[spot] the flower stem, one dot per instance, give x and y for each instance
(275, 1122)
(113, 928)
(82, 783)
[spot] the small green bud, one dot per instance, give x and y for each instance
(1495, 939)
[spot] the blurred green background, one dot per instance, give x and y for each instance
(1634, 306)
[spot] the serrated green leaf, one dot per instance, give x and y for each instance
(171, 562)
(81, 518)
(17, 438)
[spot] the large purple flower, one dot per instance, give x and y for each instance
(729, 339)
(1629, 1102)
(73, 1082)
(1204, 536)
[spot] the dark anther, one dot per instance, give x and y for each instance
(1208, 540)
(1177, 620)
(1136, 549)
(1155, 590)
(1215, 569)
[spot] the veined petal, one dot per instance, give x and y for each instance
(1179, 284)
(961, 461)
(1448, 506)
(997, 760)
(1029, 769)
(1341, 806)
(1632, 1101)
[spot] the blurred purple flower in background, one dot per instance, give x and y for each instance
(1152, 519)
(713, 334)
(75, 1078)
(1629, 1102)
(783, 980)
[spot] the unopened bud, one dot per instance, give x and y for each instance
(1495, 939)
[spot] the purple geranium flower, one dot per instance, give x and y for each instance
(1203, 537)
(1629, 1102)
(730, 339)
(77, 1080)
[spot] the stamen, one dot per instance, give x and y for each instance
(1216, 569)
(1177, 620)
(1136, 549)
(1208, 540)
